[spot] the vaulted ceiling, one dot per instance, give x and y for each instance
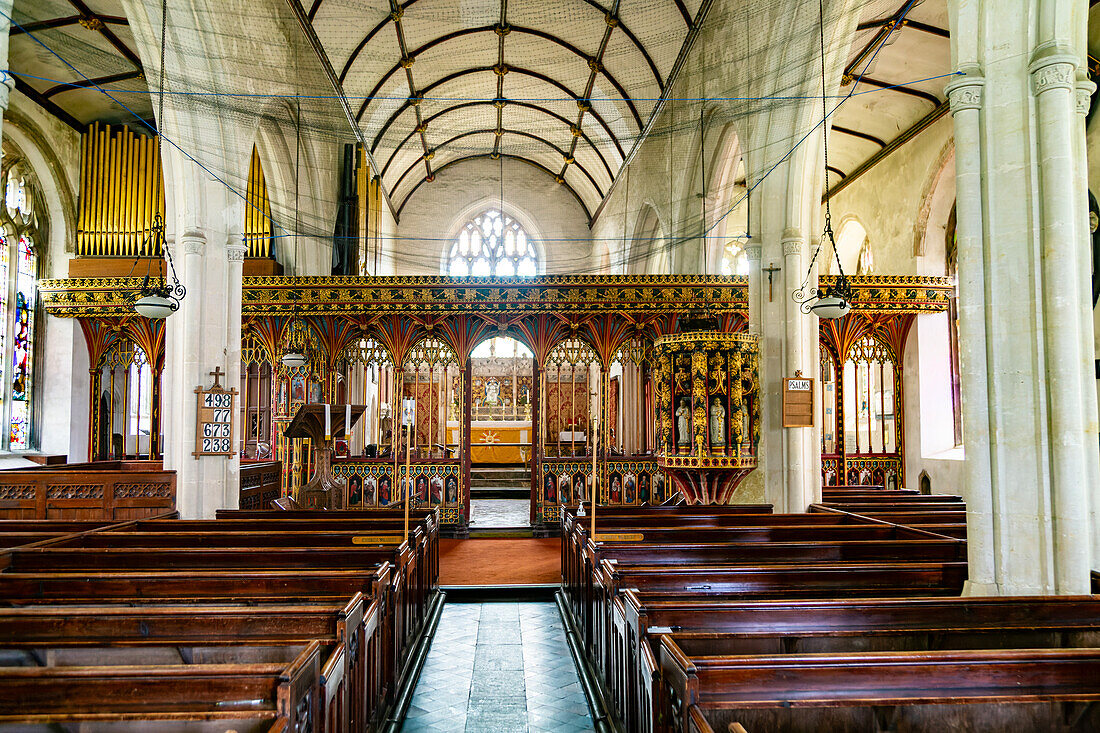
(566, 86)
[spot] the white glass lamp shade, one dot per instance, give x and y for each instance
(294, 359)
(154, 306)
(831, 306)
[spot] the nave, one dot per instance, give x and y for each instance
(499, 666)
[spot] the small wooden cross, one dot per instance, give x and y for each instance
(771, 271)
(217, 374)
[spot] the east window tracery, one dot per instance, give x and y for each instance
(492, 244)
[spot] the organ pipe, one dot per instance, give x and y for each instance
(257, 211)
(121, 191)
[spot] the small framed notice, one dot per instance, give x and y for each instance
(214, 419)
(798, 402)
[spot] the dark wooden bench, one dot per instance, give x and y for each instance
(999, 691)
(352, 685)
(712, 628)
(758, 582)
(242, 696)
(209, 568)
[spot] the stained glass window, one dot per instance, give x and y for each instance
(734, 259)
(22, 345)
(18, 298)
(492, 244)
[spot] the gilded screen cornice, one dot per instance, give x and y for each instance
(561, 294)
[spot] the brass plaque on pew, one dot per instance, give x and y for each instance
(377, 539)
(620, 537)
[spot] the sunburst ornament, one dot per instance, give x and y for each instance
(490, 436)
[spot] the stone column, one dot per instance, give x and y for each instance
(235, 250)
(1085, 89)
(965, 95)
(1053, 81)
(803, 453)
(1026, 341)
(7, 84)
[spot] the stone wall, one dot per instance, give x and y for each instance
(437, 210)
(61, 399)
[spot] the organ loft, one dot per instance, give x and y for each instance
(649, 366)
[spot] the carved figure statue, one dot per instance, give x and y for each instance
(717, 422)
(683, 423)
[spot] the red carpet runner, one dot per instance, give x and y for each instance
(499, 561)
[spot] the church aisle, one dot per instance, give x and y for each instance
(500, 667)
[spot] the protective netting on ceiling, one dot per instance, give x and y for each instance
(570, 87)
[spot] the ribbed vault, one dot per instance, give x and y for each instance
(566, 86)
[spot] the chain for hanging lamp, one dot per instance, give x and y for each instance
(159, 297)
(836, 300)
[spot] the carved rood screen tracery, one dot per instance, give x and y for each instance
(611, 315)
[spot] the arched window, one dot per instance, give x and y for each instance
(870, 425)
(18, 297)
(951, 267)
(734, 259)
(850, 243)
(492, 244)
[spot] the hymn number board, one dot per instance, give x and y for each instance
(798, 402)
(214, 419)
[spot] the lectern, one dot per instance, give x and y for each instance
(323, 491)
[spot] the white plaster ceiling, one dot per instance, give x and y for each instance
(565, 86)
(896, 89)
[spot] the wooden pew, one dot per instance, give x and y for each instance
(115, 569)
(701, 626)
(586, 588)
(989, 690)
(351, 685)
(380, 660)
(580, 555)
(171, 695)
(251, 561)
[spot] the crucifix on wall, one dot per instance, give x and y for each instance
(771, 270)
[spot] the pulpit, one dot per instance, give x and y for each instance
(708, 409)
(323, 491)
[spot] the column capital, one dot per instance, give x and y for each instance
(965, 92)
(1085, 90)
(193, 242)
(793, 241)
(753, 252)
(235, 250)
(1052, 69)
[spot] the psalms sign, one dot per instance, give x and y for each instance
(798, 402)
(214, 419)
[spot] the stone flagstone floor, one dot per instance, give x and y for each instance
(499, 668)
(500, 513)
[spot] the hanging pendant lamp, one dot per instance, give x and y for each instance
(159, 297)
(835, 301)
(297, 345)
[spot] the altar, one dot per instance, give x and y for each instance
(495, 441)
